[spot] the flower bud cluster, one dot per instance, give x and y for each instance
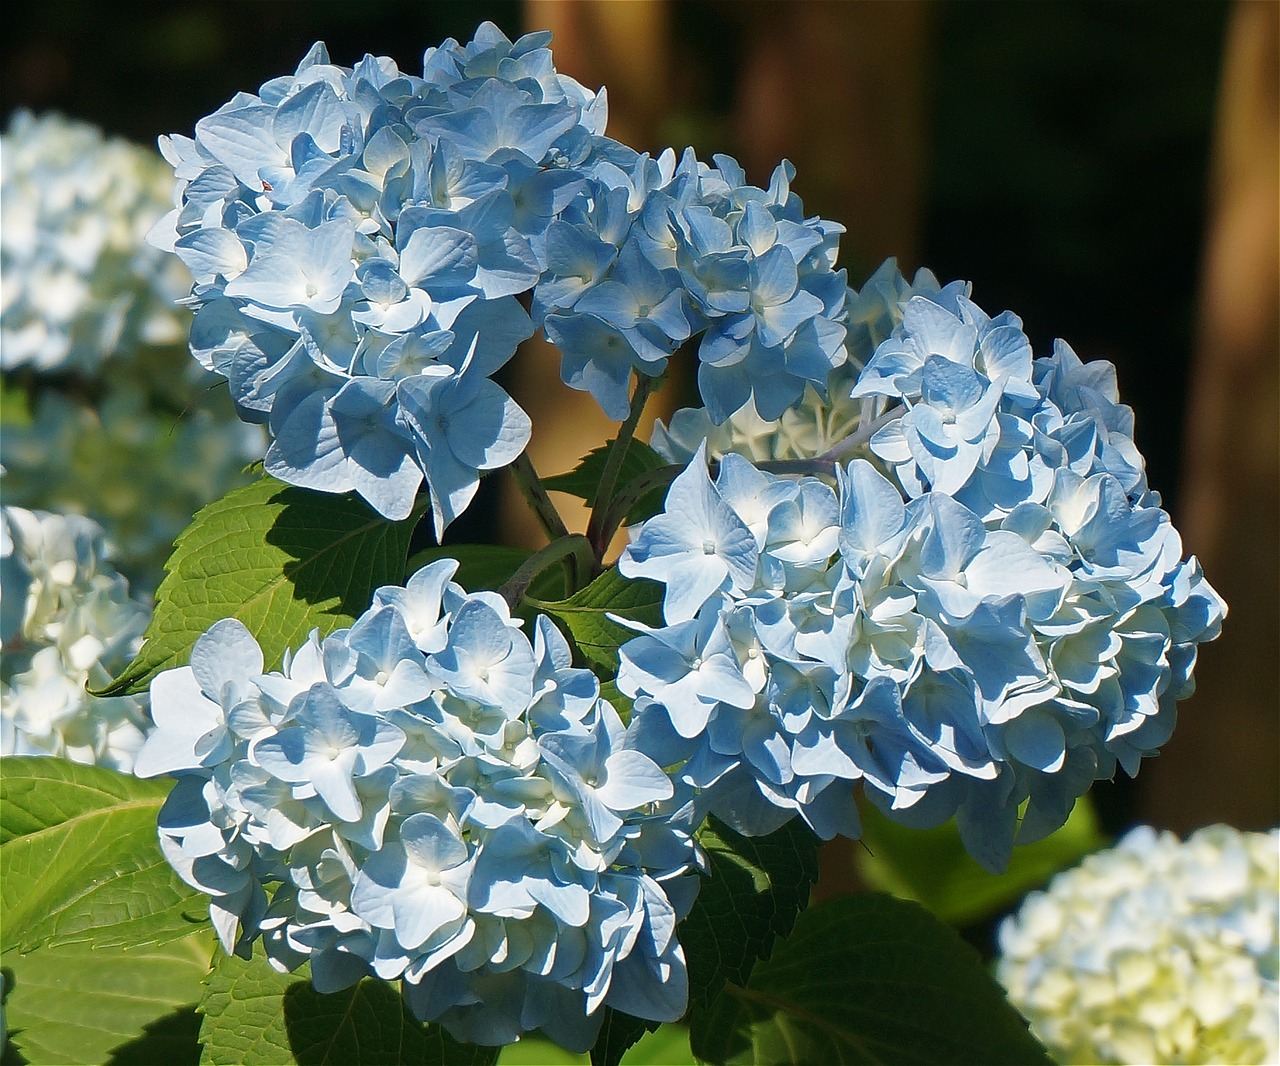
(430, 796)
(66, 621)
(77, 280)
(1155, 950)
(358, 239)
(991, 612)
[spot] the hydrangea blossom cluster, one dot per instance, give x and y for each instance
(77, 279)
(142, 473)
(66, 621)
(989, 612)
(1155, 950)
(435, 798)
(358, 239)
(645, 259)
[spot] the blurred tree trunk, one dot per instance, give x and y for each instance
(841, 89)
(1221, 764)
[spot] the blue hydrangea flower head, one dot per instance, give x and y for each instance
(978, 614)
(358, 237)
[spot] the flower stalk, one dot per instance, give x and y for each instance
(574, 548)
(600, 527)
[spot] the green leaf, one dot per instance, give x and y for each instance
(283, 560)
(867, 979)
(584, 615)
(667, 1045)
(254, 1016)
(76, 1004)
(932, 867)
(609, 691)
(173, 1040)
(15, 406)
(584, 479)
(756, 888)
(619, 1032)
(80, 861)
(488, 566)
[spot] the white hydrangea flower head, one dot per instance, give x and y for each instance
(430, 796)
(77, 278)
(1155, 950)
(68, 623)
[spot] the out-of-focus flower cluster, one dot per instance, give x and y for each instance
(78, 281)
(104, 415)
(358, 239)
(66, 621)
(1155, 950)
(139, 471)
(989, 611)
(431, 796)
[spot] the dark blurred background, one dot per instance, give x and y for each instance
(1107, 170)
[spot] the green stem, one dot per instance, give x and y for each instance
(599, 530)
(819, 467)
(848, 447)
(537, 499)
(573, 546)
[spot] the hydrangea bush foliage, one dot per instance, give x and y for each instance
(893, 558)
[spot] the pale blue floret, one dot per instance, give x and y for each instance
(384, 668)
(485, 660)
(191, 707)
(693, 665)
(642, 304)
(601, 777)
(562, 695)
(323, 746)
(495, 432)
(698, 548)
(351, 442)
(416, 886)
